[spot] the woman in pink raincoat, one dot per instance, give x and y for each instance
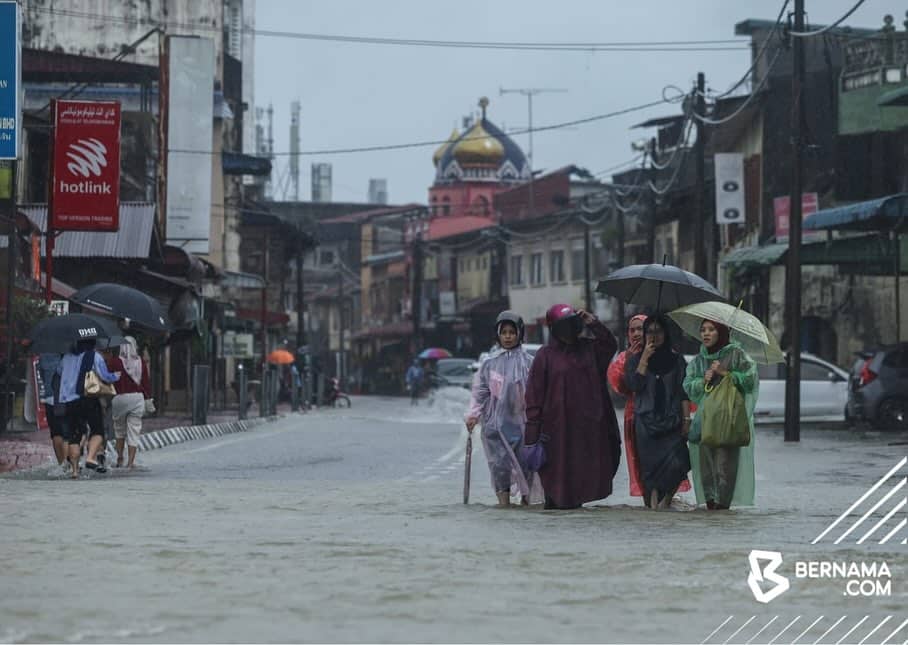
(497, 403)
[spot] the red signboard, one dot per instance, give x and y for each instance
(39, 385)
(86, 166)
(810, 204)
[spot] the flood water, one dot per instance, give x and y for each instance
(348, 526)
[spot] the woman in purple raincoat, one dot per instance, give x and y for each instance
(568, 408)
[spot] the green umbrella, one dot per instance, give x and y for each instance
(746, 329)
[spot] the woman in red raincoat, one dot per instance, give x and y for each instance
(616, 380)
(569, 409)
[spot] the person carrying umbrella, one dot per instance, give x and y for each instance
(569, 409)
(498, 402)
(617, 381)
(414, 379)
(83, 412)
(661, 413)
(723, 475)
(129, 403)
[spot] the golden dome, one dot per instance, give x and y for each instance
(444, 147)
(477, 146)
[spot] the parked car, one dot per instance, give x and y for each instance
(453, 372)
(878, 388)
(824, 391)
(531, 349)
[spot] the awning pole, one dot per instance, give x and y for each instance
(898, 275)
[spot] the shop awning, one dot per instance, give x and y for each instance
(884, 213)
(755, 256)
(864, 254)
(893, 98)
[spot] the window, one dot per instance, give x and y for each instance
(814, 371)
(327, 257)
(577, 272)
(446, 205)
(463, 265)
(536, 268)
(485, 262)
(556, 266)
(516, 269)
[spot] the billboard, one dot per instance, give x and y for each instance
(85, 173)
(729, 171)
(190, 115)
(782, 210)
(10, 77)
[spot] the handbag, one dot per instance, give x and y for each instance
(534, 456)
(95, 387)
(724, 422)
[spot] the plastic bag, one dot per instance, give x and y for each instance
(149, 406)
(724, 422)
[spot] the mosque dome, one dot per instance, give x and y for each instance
(482, 153)
(443, 148)
(478, 147)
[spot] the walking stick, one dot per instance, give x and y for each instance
(466, 468)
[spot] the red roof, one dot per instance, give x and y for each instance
(365, 216)
(442, 227)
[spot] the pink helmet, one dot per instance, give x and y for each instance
(558, 312)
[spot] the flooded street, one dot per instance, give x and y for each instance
(348, 525)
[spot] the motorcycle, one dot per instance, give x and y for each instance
(335, 397)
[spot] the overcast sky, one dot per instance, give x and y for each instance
(357, 95)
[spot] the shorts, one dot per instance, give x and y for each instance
(128, 410)
(83, 415)
(57, 424)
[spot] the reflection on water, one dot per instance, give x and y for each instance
(157, 556)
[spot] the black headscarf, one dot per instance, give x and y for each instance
(662, 361)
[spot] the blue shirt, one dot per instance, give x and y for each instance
(47, 367)
(69, 375)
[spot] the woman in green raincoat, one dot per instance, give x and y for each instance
(723, 477)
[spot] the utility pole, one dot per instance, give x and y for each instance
(587, 290)
(793, 272)
(12, 264)
(530, 92)
(416, 296)
(619, 215)
(341, 367)
(300, 301)
(702, 261)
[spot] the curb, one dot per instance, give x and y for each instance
(170, 436)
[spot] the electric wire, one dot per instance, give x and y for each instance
(843, 18)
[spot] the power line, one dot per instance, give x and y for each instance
(621, 46)
(760, 54)
(846, 16)
(436, 142)
(740, 109)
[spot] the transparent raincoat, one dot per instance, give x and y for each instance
(497, 400)
(714, 469)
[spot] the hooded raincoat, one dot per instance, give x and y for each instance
(724, 476)
(568, 405)
(498, 401)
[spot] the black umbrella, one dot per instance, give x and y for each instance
(56, 335)
(662, 287)
(124, 302)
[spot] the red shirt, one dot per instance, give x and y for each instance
(126, 385)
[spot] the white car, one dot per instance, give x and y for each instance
(531, 348)
(824, 391)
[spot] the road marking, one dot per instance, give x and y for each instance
(870, 492)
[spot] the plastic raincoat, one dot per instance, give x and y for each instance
(724, 476)
(497, 400)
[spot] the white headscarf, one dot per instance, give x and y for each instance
(132, 362)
